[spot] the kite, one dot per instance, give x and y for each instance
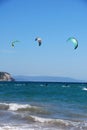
(74, 41)
(38, 40)
(13, 43)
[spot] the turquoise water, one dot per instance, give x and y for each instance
(43, 106)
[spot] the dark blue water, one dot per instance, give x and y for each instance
(40, 105)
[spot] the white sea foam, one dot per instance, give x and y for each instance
(7, 127)
(72, 126)
(84, 89)
(52, 121)
(16, 127)
(63, 124)
(39, 123)
(27, 127)
(15, 106)
(65, 86)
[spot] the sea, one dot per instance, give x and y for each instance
(43, 106)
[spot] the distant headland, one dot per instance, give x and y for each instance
(4, 76)
(47, 79)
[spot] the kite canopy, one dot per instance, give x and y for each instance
(38, 40)
(74, 41)
(14, 43)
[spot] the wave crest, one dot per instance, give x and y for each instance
(23, 107)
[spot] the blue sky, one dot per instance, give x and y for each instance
(52, 20)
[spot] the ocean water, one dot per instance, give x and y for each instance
(43, 106)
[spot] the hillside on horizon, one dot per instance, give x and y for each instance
(46, 79)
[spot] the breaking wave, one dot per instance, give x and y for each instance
(23, 107)
(40, 123)
(34, 115)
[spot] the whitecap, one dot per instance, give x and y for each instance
(61, 124)
(84, 89)
(16, 106)
(65, 86)
(53, 121)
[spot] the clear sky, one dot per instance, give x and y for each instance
(52, 20)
